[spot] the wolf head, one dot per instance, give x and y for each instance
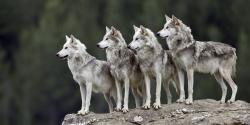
(143, 37)
(172, 27)
(113, 38)
(71, 47)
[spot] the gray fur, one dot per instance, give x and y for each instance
(190, 55)
(155, 63)
(124, 66)
(91, 74)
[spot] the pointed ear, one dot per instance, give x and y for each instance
(143, 30)
(107, 29)
(135, 28)
(113, 28)
(167, 18)
(73, 39)
(67, 38)
(176, 20)
(114, 31)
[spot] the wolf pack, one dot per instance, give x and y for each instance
(133, 66)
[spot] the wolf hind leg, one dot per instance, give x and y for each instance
(107, 97)
(227, 76)
(137, 97)
(223, 86)
(166, 85)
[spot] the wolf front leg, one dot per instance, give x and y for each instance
(119, 95)
(88, 97)
(157, 103)
(190, 75)
(83, 97)
(148, 94)
(181, 81)
(126, 95)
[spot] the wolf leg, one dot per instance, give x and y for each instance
(223, 86)
(143, 93)
(126, 95)
(190, 75)
(109, 101)
(83, 96)
(88, 97)
(181, 80)
(119, 95)
(157, 103)
(137, 97)
(232, 84)
(148, 94)
(169, 95)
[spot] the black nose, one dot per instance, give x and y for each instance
(98, 45)
(129, 47)
(57, 55)
(158, 34)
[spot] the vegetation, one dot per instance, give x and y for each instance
(37, 88)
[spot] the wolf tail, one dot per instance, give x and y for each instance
(233, 69)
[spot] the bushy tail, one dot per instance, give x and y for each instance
(233, 70)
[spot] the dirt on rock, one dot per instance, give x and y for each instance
(201, 112)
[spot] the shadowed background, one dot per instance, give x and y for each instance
(38, 88)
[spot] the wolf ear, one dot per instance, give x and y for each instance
(143, 30)
(107, 29)
(176, 20)
(73, 39)
(67, 38)
(135, 28)
(114, 31)
(167, 18)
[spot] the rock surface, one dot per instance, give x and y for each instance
(201, 112)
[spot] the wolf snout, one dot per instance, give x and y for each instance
(57, 55)
(157, 34)
(98, 45)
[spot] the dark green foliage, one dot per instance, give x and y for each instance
(37, 88)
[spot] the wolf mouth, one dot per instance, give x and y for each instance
(63, 57)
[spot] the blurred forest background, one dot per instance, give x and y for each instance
(36, 88)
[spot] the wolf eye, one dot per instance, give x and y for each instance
(136, 38)
(106, 38)
(66, 48)
(167, 27)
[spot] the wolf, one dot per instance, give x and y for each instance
(124, 67)
(216, 58)
(155, 62)
(91, 74)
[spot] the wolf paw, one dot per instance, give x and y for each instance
(180, 100)
(118, 109)
(230, 101)
(189, 101)
(146, 106)
(82, 112)
(157, 106)
(124, 110)
(222, 101)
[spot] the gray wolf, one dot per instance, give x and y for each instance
(124, 67)
(155, 63)
(216, 58)
(91, 74)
